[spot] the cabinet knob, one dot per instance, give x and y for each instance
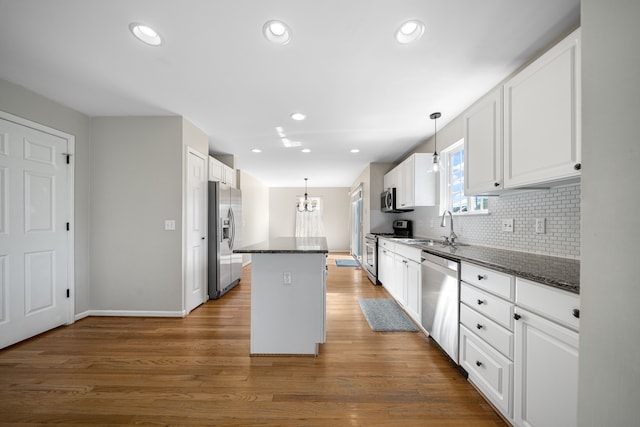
(480, 302)
(479, 326)
(576, 313)
(478, 363)
(480, 277)
(496, 184)
(516, 316)
(577, 166)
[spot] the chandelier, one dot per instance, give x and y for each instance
(306, 205)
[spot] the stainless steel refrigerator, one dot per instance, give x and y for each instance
(225, 226)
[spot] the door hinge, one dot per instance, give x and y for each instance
(68, 226)
(68, 293)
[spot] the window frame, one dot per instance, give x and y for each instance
(447, 184)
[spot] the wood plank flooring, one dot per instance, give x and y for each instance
(197, 371)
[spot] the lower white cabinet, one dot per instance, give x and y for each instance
(546, 356)
(400, 273)
(490, 371)
(413, 280)
(523, 357)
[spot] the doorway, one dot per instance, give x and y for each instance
(356, 223)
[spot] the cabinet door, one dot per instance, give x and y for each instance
(414, 290)
(546, 374)
(390, 179)
(229, 175)
(483, 146)
(542, 118)
(398, 287)
(406, 189)
(216, 170)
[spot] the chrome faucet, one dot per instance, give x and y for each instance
(452, 236)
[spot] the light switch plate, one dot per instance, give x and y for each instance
(170, 224)
(507, 225)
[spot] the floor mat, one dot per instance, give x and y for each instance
(384, 315)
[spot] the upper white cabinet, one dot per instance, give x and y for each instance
(390, 179)
(483, 146)
(415, 182)
(218, 171)
(542, 115)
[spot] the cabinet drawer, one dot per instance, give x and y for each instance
(490, 371)
(387, 244)
(552, 303)
(496, 309)
(409, 252)
(492, 281)
(495, 335)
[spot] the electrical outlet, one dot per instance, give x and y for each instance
(170, 224)
(286, 278)
(507, 225)
(540, 226)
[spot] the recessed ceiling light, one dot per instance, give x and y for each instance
(145, 34)
(355, 150)
(306, 150)
(276, 32)
(409, 31)
(256, 150)
(288, 143)
(298, 116)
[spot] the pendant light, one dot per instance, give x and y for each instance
(436, 158)
(306, 205)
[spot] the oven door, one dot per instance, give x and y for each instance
(370, 258)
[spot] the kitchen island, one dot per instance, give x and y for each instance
(288, 295)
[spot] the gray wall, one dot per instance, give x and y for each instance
(136, 167)
(29, 105)
(610, 286)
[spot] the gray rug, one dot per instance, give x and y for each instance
(384, 315)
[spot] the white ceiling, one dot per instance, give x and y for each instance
(343, 68)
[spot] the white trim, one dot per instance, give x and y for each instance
(133, 313)
(71, 149)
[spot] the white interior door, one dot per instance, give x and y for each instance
(196, 230)
(35, 278)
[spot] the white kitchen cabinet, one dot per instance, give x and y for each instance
(390, 179)
(546, 356)
(398, 287)
(220, 172)
(483, 146)
(386, 266)
(415, 182)
(413, 286)
(542, 119)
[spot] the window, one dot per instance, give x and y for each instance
(452, 184)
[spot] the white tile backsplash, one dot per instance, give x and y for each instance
(559, 206)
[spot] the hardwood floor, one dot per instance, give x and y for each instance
(197, 371)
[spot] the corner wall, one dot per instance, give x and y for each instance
(136, 266)
(255, 212)
(24, 103)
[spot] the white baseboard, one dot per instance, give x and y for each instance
(130, 313)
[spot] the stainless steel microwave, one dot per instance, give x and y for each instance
(388, 201)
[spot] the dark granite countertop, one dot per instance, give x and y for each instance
(562, 273)
(287, 245)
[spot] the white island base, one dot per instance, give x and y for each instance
(288, 297)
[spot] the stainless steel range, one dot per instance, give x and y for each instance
(401, 228)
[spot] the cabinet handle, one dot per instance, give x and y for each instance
(577, 166)
(478, 363)
(496, 184)
(479, 326)
(480, 277)
(480, 302)
(576, 313)
(516, 316)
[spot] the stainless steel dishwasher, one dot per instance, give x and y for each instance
(440, 301)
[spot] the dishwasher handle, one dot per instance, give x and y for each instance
(440, 261)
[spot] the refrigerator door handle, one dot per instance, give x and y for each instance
(232, 228)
